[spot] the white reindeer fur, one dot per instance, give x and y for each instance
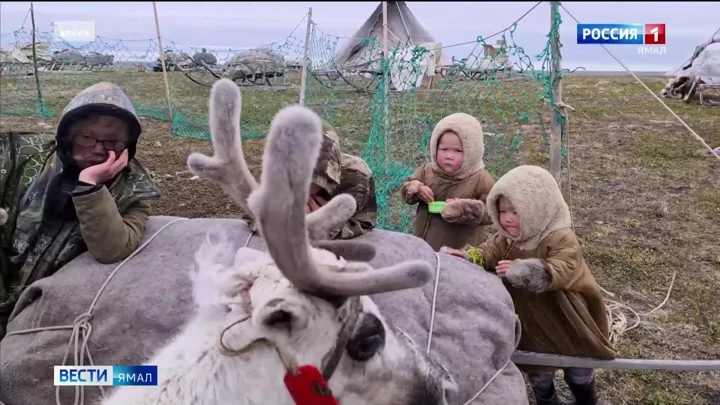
(229, 284)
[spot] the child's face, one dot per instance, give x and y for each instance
(449, 153)
(509, 219)
(94, 137)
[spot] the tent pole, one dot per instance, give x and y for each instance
(303, 77)
(34, 54)
(556, 127)
(162, 60)
(385, 29)
(386, 81)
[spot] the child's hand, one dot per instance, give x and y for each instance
(425, 194)
(455, 252)
(105, 171)
(503, 266)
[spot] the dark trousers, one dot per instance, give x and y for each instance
(544, 384)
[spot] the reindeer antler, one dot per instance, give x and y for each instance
(291, 150)
(227, 167)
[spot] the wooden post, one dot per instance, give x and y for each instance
(303, 77)
(162, 60)
(556, 80)
(386, 80)
(34, 53)
(555, 360)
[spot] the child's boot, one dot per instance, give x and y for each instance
(542, 398)
(584, 394)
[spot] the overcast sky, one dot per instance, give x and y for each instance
(241, 25)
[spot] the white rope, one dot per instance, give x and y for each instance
(619, 321)
(82, 325)
(700, 139)
(432, 325)
(434, 301)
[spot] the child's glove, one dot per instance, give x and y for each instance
(469, 253)
(464, 211)
(412, 188)
(415, 190)
(528, 274)
(3, 216)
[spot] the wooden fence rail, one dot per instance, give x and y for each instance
(554, 360)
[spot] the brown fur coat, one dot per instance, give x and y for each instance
(556, 296)
(463, 221)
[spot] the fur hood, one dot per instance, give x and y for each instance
(539, 203)
(101, 98)
(470, 132)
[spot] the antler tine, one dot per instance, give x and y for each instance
(335, 213)
(227, 166)
(291, 151)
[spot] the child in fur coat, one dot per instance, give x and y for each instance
(540, 260)
(457, 176)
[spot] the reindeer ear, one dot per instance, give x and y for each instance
(369, 338)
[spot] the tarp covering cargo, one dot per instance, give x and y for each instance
(96, 58)
(255, 62)
(149, 298)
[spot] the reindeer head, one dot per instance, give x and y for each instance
(307, 296)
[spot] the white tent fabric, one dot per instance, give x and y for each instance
(704, 62)
(406, 73)
(405, 33)
(702, 69)
(707, 65)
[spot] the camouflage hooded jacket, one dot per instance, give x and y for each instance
(340, 173)
(51, 217)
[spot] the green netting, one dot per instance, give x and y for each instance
(135, 65)
(408, 92)
(383, 108)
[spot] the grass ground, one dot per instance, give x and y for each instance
(645, 195)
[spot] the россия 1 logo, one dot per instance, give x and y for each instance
(650, 35)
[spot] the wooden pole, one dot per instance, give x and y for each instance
(386, 79)
(556, 80)
(385, 29)
(555, 360)
(34, 53)
(303, 77)
(162, 60)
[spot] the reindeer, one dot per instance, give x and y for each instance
(262, 316)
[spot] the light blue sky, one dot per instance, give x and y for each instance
(240, 25)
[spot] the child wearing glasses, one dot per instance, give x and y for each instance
(78, 190)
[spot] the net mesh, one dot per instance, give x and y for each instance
(384, 109)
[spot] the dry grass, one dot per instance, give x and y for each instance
(645, 197)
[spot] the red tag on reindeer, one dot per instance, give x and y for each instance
(309, 387)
